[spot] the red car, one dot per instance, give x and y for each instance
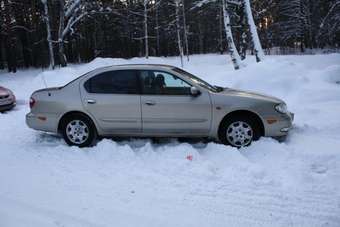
(7, 99)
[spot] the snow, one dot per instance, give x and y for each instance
(43, 182)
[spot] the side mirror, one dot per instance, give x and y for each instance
(194, 92)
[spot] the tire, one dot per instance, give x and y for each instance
(78, 130)
(236, 129)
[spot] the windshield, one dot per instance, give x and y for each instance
(197, 80)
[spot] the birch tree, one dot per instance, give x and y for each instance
(149, 5)
(225, 13)
(181, 30)
(330, 24)
(235, 57)
(70, 14)
(253, 32)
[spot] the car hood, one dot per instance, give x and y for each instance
(4, 91)
(250, 94)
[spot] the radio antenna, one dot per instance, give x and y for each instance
(43, 78)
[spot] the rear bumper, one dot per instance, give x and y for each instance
(7, 107)
(43, 122)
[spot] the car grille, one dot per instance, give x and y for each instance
(4, 97)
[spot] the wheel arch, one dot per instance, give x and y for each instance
(246, 113)
(66, 115)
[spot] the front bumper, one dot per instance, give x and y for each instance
(290, 123)
(292, 115)
(6, 107)
(279, 125)
(43, 122)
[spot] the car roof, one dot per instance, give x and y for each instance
(126, 67)
(138, 66)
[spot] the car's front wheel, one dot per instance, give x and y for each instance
(78, 130)
(239, 131)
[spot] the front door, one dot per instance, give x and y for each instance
(113, 99)
(168, 108)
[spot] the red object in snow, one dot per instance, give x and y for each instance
(190, 157)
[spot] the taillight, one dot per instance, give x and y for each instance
(32, 102)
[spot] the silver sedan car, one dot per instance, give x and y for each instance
(155, 101)
(7, 99)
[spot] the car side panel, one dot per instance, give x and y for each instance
(224, 104)
(51, 105)
(114, 113)
(177, 114)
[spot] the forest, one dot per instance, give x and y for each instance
(50, 33)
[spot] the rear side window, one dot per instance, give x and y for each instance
(113, 82)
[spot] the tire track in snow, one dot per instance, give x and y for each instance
(250, 205)
(32, 215)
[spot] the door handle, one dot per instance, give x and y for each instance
(91, 101)
(150, 103)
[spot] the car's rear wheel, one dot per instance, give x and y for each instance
(78, 130)
(239, 131)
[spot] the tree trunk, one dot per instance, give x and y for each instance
(157, 30)
(235, 57)
(10, 39)
(10, 54)
(253, 31)
(62, 57)
(220, 21)
(49, 35)
(179, 41)
(185, 31)
(243, 46)
(146, 36)
(2, 66)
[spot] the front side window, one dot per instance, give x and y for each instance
(113, 82)
(163, 83)
(196, 80)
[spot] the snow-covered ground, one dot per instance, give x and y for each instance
(44, 183)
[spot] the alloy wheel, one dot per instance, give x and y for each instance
(239, 134)
(77, 131)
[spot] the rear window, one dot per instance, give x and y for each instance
(113, 82)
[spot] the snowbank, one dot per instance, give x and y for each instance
(43, 182)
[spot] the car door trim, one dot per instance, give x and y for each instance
(119, 120)
(173, 120)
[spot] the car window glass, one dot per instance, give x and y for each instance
(196, 80)
(163, 83)
(113, 82)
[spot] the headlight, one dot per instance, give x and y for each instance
(281, 108)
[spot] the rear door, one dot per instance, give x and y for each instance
(169, 109)
(113, 99)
